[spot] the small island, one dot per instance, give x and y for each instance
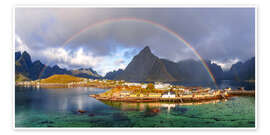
(163, 92)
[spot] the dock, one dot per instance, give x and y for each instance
(241, 93)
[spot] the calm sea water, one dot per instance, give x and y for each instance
(59, 108)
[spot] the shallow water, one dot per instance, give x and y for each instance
(59, 108)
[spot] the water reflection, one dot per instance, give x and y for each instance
(60, 99)
(168, 106)
(153, 106)
(74, 99)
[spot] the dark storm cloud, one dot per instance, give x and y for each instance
(218, 34)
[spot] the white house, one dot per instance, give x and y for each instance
(144, 86)
(187, 92)
(91, 80)
(211, 91)
(168, 95)
(132, 84)
(228, 89)
(181, 89)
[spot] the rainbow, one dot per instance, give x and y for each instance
(159, 26)
(42, 70)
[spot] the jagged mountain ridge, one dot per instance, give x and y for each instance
(85, 72)
(147, 67)
(111, 75)
(242, 71)
(28, 70)
(144, 67)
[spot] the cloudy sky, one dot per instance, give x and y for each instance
(78, 37)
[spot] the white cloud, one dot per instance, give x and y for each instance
(68, 59)
(226, 65)
(20, 45)
(120, 64)
(79, 58)
(214, 33)
(116, 60)
(119, 61)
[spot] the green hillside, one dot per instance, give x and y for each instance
(59, 78)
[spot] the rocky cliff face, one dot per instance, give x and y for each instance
(146, 67)
(24, 65)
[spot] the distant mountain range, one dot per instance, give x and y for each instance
(144, 67)
(25, 69)
(242, 71)
(112, 75)
(147, 67)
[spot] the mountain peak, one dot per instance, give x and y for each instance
(37, 62)
(26, 53)
(146, 50)
(145, 67)
(17, 55)
(26, 57)
(56, 67)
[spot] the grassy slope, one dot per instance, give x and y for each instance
(61, 79)
(19, 77)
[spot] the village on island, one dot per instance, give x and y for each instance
(121, 90)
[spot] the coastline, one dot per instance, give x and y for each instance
(139, 92)
(189, 99)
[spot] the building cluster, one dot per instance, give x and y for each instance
(169, 92)
(157, 85)
(35, 83)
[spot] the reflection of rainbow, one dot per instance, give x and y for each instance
(159, 26)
